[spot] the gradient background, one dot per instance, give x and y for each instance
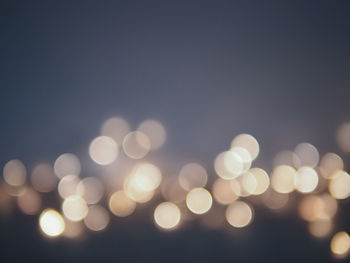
(207, 70)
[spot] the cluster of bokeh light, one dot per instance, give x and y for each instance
(127, 180)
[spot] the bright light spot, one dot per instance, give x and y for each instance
(340, 244)
(68, 185)
(244, 155)
(97, 218)
(121, 205)
(282, 179)
(29, 201)
(66, 164)
(91, 189)
(249, 183)
(223, 193)
(307, 155)
(167, 215)
(247, 142)
(103, 150)
(320, 228)
(262, 180)
(330, 164)
(43, 178)
(75, 208)
(306, 179)
(147, 177)
(15, 173)
(199, 200)
(343, 137)
(339, 186)
(228, 165)
(239, 214)
(115, 128)
(51, 223)
(136, 145)
(155, 131)
(192, 175)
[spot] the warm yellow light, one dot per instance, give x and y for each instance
(97, 218)
(320, 228)
(282, 179)
(339, 185)
(192, 175)
(155, 131)
(74, 208)
(228, 165)
(136, 145)
(306, 179)
(223, 193)
(239, 214)
(307, 155)
(91, 189)
(43, 178)
(146, 176)
(340, 244)
(115, 128)
(29, 201)
(103, 150)
(244, 155)
(66, 164)
(15, 173)
(248, 182)
(120, 204)
(68, 185)
(51, 223)
(167, 215)
(330, 164)
(247, 142)
(262, 180)
(199, 200)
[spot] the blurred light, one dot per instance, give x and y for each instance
(199, 200)
(147, 176)
(15, 173)
(262, 180)
(275, 200)
(68, 185)
(43, 178)
(120, 204)
(172, 191)
(136, 145)
(339, 185)
(5, 201)
(286, 158)
(167, 215)
(192, 175)
(91, 189)
(228, 165)
(282, 179)
(306, 179)
(320, 228)
(331, 163)
(116, 128)
(340, 244)
(73, 229)
(249, 183)
(155, 131)
(307, 155)
(97, 218)
(51, 223)
(29, 202)
(74, 208)
(103, 150)
(244, 155)
(343, 137)
(66, 164)
(239, 214)
(247, 142)
(223, 193)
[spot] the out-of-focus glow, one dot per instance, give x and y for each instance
(306, 179)
(199, 200)
(223, 193)
(43, 178)
(91, 189)
(115, 128)
(136, 145)
(282, 179)
(74, 208)
(97, 218)
(330, 164)
(320, 228)
(262, 180)
(15, 173)
(167, 215)
(66, 164)
(120, 204)
(146, 176)
(247, 142)
(239, 214)
(103, 150)
(29, 201)
(286, 158)
(343, 137)
(172, 191)
(192, 175)
(275, 200)
(228, 165)
(68, 185)
(249, 183)
(244, 155)
(51, 223)
(339, 186)
(340, 244)
(155, 132)
(307, 155)
(317, 207)
(5, 201)
(73, 229)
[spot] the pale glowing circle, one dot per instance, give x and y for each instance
(66, 164)
(317, 207)
(282, 179)
(307, 155)
(239, 214)
(340, 244)
(172, 191)
(306, 179)
(103, 150)
(97, 218)
(155, 131)
(286, 158)
(249, 183)
(91, 189)
(320, 228)
(43, 178)
(167, 215)
(192, 175)
(120, 204)
(115, 128)
(68, 185)
(51, 223)
(199, 201)
(29, 201)
(15, 173)
(228, 165)
(330, 164)
(247, 142)
(343, 137)
(244, 155)
(223, 193)
(339, 186)
(275, 200)
(74, 208)
(136, 145)
(262, 180)
(147, 177)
